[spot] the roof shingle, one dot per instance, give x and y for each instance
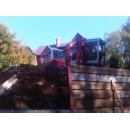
(40, 49)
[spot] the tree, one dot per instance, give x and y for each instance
(12, 52)
(114, 47)
(114, 61)
(126, 40)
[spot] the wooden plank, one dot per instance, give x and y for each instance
(124, 101)
(97, 77)
(126, 109)
(99, 110)
(122, 86)
(99, 85)
(93, 103)
(123, 94)
(9, 80)
(90, 85)
(91, 94)
(96, 110)
(98, 70)
(103, 110)
(7, 85)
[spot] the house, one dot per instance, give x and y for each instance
(54, 51)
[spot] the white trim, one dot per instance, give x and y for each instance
(51, 54)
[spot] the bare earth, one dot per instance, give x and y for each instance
(36, 89)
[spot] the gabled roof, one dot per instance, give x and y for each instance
(46, 50)
(40, 49)
(53, 45)
(77, 36)
(33, 51)
(63, 44)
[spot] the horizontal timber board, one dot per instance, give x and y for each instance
(125, 86)
(104, 110)
(123, 93)
(99, 85)
(93, 94)
(99, 70)
(95, 103)
(100, 110)
(90, 85)
(98, 77)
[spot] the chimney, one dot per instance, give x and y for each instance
(57, 41)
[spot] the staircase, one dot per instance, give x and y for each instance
(98, 90)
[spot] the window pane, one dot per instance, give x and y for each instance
(92, 50)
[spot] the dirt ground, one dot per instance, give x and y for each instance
(36, 89)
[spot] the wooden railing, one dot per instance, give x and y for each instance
(115, 93)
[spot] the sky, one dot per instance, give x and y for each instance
(36, 31)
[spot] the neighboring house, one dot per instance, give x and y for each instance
(55, 51)
(45, 53)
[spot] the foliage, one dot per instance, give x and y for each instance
(114, 61)
(12, 52)
(114, 48)
(126, 40)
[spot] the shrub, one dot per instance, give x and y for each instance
(114, 61)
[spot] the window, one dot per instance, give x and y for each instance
(92, 49)
(72, 56)
(55, 54)
(72, 51)
(49, 56)
(58, 55)
(62, 55)
(45, 58)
